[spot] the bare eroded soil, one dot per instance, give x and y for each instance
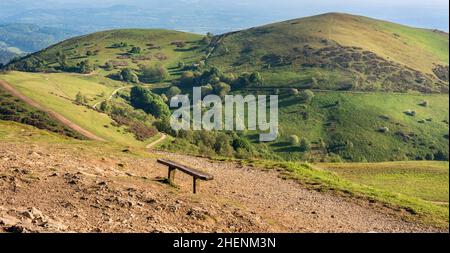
(55, 187)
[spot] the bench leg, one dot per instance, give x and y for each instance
(171, 176)
(194, 185)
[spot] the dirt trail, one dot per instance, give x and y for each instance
(55, 187)
(111, 96)
(289, 206)
(153, 144)
(52, 113)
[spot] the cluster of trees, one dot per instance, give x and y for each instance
(214, 81)
(92, 53)
(157, 73)
(128, 75)
(109, 66)
(146, 74)
(207, 39)
(30, 64)
(151, 103)
(227, 144)
(135, 50)
(302, 144)
(81, 99)
(172, 92)
(139, 123)
(85, 67)
(119, 45)
(36, 64)
(178, 43)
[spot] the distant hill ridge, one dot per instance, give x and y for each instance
(332, 51)
(27, 38)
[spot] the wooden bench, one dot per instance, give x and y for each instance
(196, 174)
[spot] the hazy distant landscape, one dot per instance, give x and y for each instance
(202, 16)
(53, 21)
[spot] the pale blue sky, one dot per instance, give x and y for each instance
(206, 15)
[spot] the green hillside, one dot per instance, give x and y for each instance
(12, 109)
(369, 85)
(364, 127)
(108, 51)
(339, 51)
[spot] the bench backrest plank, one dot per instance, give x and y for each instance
(190, 171)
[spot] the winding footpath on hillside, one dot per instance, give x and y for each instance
(52, 113)
(156, 142)
(111, 96)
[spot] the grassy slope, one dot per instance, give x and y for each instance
(415, 48)
(57, 92)
(13, 109)
(357, 120)
(328, 181)
(77, 48)
(424, 180)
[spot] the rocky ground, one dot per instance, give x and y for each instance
(60, 188)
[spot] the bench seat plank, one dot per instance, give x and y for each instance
(190, 171)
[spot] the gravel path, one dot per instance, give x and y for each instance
(61, 188)
(288, 206)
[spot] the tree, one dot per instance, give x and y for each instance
(293, 91)
(156, 73)
(143, 98)
(179, 43)
(173, 91)
(248, 79)
(135, 50)
(187, 79)
(104, 106)
(207, 89)
(109, 66)
(206, 40)
(85, 67)
(304, 145)
(79, 98)
(307, 96)
(62, 60)
(164, 98)
(255, 78)
(128, 75)
(294, 140)
(223, 145)
(241, 143)
(221, 89)
(321, 144)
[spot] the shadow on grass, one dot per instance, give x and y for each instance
(280, 144)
